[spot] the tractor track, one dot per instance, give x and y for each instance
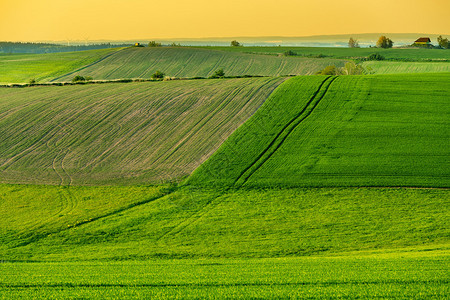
(287, 130)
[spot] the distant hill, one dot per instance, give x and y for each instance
(193, 62)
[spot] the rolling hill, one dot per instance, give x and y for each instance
(386, 130)
(52, 223)
(120, 133)
(195, 62)
(271, 213)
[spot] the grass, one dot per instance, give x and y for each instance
(96, 223)
(410, 54)
(119, 133)
(30, 213)
(388, 130)
(193, 62)
(395, 67)
(248, 223)
(403, 275)
(21, 68)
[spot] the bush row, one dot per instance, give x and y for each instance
(123, 80)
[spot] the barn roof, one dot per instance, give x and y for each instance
(423, 40)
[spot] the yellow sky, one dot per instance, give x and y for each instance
(143, 19)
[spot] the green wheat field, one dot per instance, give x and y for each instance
(269, 183)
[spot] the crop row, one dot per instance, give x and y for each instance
(116, 133)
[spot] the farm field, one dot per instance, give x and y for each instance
(319, 187)
(385, 130)
(195, 62)
(120, 133)
(21, 68)
(408, 54)
(397, 67)
(45, 223)
(400, 275)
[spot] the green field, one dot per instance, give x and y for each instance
(396, 67)
(134, 242)
(389, 130)
(203, 62)
(312, 187)
(409, 54)
(404, 276)
(50, 223)
(17, 68)
(194, 62)
(120, 133)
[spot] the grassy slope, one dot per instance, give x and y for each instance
(33, 212)
(396, 67)
(16, 68)
(393, 242)
(120, 133)
(395, 54)
(211, 223)
(192, 62)
(388, 130)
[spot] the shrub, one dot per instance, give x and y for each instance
(78, 78)
(32, 81)
(375, 56)
(330, 70)
(158, 75)
(350, 68)
(218, 74)
(290, 53)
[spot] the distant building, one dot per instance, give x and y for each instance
(423, 41)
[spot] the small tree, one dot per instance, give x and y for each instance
(443, 43)
(352, 43)
(351, 68)
(235, 44)
(158, 75)
(154, 44)
(384, 42)
(32, 81)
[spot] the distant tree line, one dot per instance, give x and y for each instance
(18, 47)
